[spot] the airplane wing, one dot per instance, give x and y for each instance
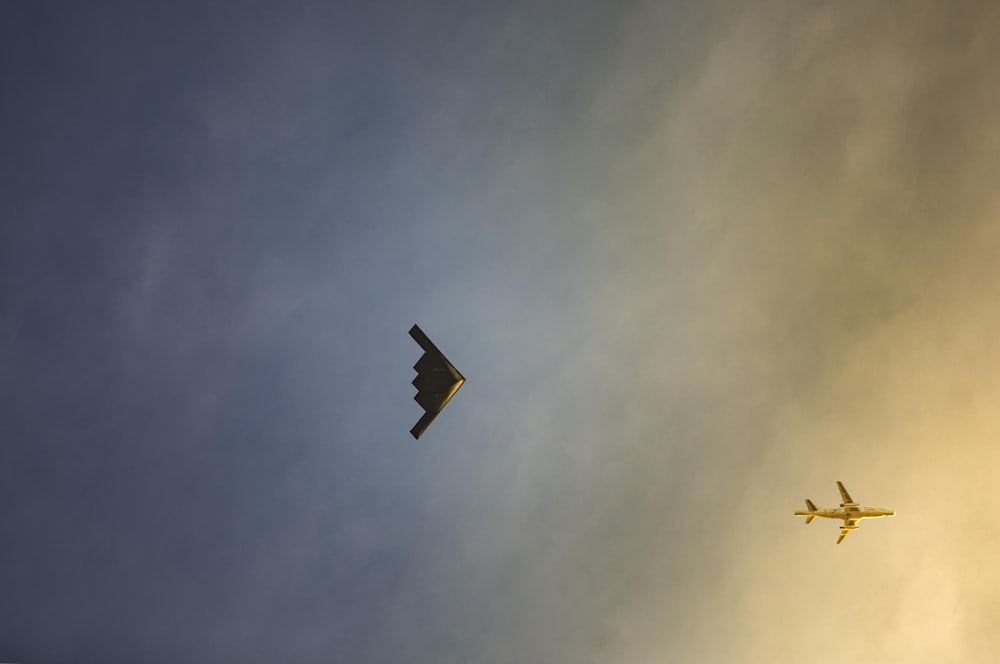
(846, 497)
(845, 530)
(436, 382)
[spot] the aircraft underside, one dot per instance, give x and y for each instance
(849, 512)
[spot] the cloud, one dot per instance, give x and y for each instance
(695, 264)
(837, 165)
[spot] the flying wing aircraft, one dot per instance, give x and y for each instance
(849, 512)
(437, 381)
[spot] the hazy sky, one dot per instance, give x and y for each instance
(696, 262)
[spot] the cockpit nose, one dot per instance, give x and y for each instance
(890, 513)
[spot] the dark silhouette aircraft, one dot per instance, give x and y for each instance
(436, 382)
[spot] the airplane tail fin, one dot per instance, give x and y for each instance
(808, 515)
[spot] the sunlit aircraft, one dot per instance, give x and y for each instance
(849, 512)
(436, 382)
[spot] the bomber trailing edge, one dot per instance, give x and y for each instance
(437, 381)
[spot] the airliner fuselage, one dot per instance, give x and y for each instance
(856, 513)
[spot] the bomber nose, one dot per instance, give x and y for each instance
(890, 513)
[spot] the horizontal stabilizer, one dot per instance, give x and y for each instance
(810, 514)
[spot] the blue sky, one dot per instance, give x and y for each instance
(696, 263)
(222, 221)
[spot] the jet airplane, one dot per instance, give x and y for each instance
(436, 382)
(849, 512)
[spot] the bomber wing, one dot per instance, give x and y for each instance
(436, 382)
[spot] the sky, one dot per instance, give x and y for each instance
(697, 262)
